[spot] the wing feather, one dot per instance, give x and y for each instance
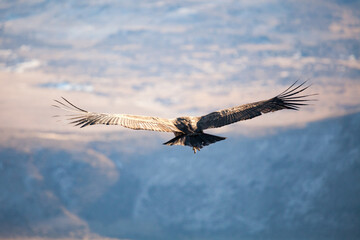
(289, 99)
(83, 118)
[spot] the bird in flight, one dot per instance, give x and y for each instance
(189, 131)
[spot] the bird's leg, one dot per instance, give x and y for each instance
(195, 148)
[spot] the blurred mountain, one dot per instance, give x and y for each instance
(296, 184)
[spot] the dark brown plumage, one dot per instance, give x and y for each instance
(189, 130)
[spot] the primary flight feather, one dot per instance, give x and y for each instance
(189, 130)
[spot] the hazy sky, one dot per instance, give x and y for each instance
(173, 58)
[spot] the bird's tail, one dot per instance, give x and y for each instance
(196, 140)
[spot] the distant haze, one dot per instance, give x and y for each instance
(173, 58)
(283, 175)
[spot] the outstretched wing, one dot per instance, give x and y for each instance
(289, 99)
(83, 118)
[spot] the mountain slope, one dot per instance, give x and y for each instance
(295, 184)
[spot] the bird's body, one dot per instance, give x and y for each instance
(189, 130)
(187, 125)
(191, 134)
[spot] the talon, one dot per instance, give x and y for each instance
(195, 148)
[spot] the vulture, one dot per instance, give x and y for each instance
(189, 131)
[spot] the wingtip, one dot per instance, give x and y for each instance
(293, 100)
